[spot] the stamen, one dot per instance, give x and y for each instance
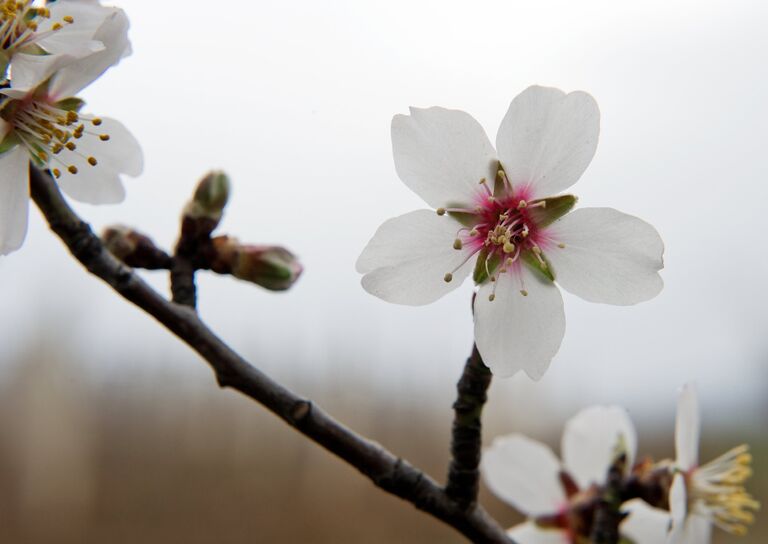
(522, 204)
(561, 246)
(448, 277)
(457, 244)
(440, 211)
(72, 169)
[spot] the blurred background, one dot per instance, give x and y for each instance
(111, 430)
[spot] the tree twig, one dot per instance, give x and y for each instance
(387, 471)
(466, 437)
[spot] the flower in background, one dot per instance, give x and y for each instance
(497, 220)
(44, 124)
(711, 494)
(559, 498)
(34, 38)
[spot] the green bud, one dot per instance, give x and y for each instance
(272, 267)
(212, 194)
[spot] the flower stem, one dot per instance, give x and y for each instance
(466, 439)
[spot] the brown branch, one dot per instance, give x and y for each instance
(387, 471)
(466, 437)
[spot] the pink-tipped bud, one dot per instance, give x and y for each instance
(272, 267)
(134, 248)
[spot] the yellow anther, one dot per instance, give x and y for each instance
(68, 19)
(524, 292)
(57, 147)
(72, 116)
(522, 204)
(105, 137)
(43, 156)
(491, 297)
(32, 26)
(536, 250)
(96, 121)
(56, 173)
(440, 211)
(482, 181)
(92, 161)
(56, 26)
(509, 262)
(508, 247)
(72, 169)
(457, 244)
(448, 277)
(561, 246)
(70, 145)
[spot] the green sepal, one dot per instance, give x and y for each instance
(533, 263)
(466, 219)
(34, 49)
(70, 104)
(9, 142)
(555, 208)
(480, 275)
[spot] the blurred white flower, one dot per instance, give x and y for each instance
(556, 496)
(703, 495)
(34, 38)
(86, 154)
(496, 215)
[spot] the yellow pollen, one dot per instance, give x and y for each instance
(70, 145)
(491, 297)
(440, 211)
(96, 121)
(509, 247)
(105, 137)
(43, 156)
(522, 204)
(561, 246)
(72, 169)
(56, 173)
(457, 244)
(68, 19)
(92, 161)
(57, 147)
(448, 277)
(524, 292)
(72, 117)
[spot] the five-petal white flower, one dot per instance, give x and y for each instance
(708, 494)
(495, 209)
(86, 154)
(527, 475)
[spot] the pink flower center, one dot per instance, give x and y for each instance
(502, 229)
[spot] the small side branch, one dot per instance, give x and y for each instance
(386, 470)
(466, 439)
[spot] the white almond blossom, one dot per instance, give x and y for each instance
(497, 216)
(705, 495)
(85, 153)
(555, 495)
(34, 37)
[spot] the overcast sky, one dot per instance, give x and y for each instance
(294, 100)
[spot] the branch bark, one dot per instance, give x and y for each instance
(386, 470)
(466, 439)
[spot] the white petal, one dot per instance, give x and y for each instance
(698, 530)
(14, 198)
(687, 428)
(548, 138)
(516, 332)
(121, 153)
(524, 473)
(406, 260)
(74, 77)
(28, 71)
(530, 533)
(441, 155)
(678, 503)
(590, 440)
(644, 524)
(74, 38)
(609, 256)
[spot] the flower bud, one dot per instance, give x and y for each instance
(208, 203)
(134, 249)
(272, 267)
